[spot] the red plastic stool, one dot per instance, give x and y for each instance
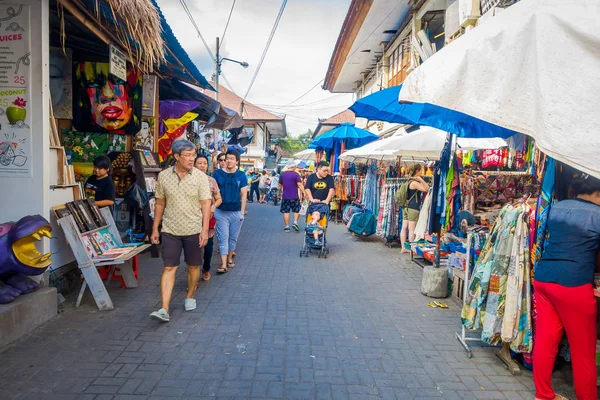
(104, 271)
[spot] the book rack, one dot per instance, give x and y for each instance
(88, 260)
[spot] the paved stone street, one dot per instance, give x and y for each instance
(354, 326)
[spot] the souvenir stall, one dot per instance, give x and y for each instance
(126, 120)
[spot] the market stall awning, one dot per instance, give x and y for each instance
(369, 152)
(347, 133)
(306, 155)
(226, 119)
(427, 143)
(173, 89)
(532, 69)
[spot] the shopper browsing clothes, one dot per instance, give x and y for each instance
(233, 186)
(100, 187)
(291, 183)
(319, 189)
(410, 213)
(564, 291)
(202, 164)
(183, 202)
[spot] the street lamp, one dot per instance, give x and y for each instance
(219, 61)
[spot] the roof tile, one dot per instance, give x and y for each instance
(249, 111)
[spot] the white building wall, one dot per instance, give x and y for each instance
(25, 195)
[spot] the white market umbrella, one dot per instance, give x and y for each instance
(427, 143)
(369, 152)
(531, 69)
(306, 155)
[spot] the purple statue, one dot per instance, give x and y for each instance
(20, 258)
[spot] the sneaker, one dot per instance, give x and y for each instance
(318, 243)
(190, 304)
(296, 227)
(286, 229)
(161, 315)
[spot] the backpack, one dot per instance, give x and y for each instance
(229, 186)
(402, 199)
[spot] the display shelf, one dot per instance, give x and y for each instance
(146, 166)
(88, 265)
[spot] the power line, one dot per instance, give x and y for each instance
(210, 53)
(351, 54)
(264, 54)
(227, 24)
(297, 106)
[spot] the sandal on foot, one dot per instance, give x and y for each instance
(206, 276)
(230, 264)
(221, 270)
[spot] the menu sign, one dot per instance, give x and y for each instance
(15, 105)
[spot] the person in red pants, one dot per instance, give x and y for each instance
(564, 290)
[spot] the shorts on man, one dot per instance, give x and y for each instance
(172, 246)
(290, 205)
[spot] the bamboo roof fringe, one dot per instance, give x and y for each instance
(135, 27)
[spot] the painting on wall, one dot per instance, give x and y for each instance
(83, 147)
(145, 138)
(104, 103)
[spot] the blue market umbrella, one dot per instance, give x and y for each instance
(346, 132)
(384, 106)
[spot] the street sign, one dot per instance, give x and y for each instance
(118, 63)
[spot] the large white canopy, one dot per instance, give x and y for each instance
(534, 69)
(427, 143)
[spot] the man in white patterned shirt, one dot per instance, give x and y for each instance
(183, 204)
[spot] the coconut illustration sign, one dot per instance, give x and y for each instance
(15, 112)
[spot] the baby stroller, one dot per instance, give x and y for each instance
(309, 241)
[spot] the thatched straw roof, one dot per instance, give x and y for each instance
(133, 25)
(140, 23)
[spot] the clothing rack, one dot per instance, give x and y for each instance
(517, 173)
(504, 353)
(462, 337)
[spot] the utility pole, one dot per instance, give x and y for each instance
(218, 71)
(218, 63)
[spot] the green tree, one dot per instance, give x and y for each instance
(296, 144)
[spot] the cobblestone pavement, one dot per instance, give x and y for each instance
(353, 326)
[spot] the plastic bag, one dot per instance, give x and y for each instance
(303, 208)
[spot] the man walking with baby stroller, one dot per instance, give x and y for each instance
(319, 190)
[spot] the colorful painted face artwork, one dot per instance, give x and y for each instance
(104, 103)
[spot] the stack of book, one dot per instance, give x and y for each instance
(101, 246)
(85, 213)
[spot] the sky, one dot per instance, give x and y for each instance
(297, 58)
